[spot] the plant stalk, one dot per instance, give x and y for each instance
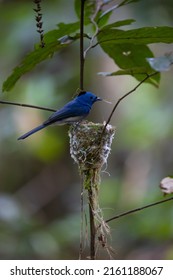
(82, 45)
(92, 225)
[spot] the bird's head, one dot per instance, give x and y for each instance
(88, 98)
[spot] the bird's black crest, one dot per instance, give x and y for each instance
(82, 92)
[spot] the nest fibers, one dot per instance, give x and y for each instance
(89, 147)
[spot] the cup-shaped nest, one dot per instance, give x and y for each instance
(89, 146)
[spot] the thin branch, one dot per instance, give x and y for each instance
(124, 96)
(27, 105)
(137, 210)
(81, 45)
(99, 5)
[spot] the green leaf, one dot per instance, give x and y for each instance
(29, 62)
(128, 55)
(128, 49)
(138, 71)
(63, 29)
(55, 41)
(145, 35)
(132, 59)
(104, 16)
(130, 71)
(118, 24)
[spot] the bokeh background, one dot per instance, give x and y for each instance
(39, 182)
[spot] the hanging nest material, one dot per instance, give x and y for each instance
(90, 148)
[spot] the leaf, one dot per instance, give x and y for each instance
(162, 63)
(128, 48)
(63, 30)
(134, 72)
(118, 24)
(130, 71)
(104, 17)
(29, 62)
(132, 60)
(145, 35)
(54, 42)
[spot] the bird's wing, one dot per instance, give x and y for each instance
(70, 110)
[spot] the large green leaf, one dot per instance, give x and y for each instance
(132, 59)
(145, 35)
(128, 48)
(55, 41)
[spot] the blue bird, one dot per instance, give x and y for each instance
(73, 111)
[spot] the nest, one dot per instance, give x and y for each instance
(89, 147)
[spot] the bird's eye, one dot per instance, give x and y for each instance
(91, 97)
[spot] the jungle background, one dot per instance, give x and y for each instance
(39, 182)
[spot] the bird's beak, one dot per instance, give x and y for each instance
(99, 99)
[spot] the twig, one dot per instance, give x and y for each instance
(27, 105)
(124, 96)
(81, 45)
(137, 209)
(99, 4)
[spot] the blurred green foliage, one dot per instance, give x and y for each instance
(39, 183)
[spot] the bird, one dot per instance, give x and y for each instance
(72, 112)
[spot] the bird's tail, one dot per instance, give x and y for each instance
(32, 131)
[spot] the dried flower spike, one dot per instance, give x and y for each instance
(39, 22)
